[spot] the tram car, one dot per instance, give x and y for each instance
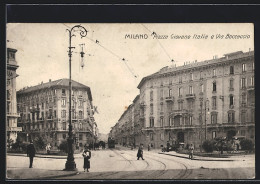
(111, 142)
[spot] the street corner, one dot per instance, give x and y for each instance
(31, 173)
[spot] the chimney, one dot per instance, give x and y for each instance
(49, 80)
(42, 83)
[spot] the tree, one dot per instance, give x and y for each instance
(64, 146)
(247, 144)
(40, 143)
(208, 146)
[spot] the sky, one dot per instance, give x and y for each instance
(115, 65)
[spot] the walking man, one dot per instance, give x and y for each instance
(140, 153)
(31, 152)
(191, 148)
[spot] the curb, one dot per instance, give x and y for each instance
(61, 157)
(49, 177)
(196, 158)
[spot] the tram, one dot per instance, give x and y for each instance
(111, 142)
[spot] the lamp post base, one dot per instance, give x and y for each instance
(70, 166)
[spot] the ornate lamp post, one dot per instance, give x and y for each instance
(70, 164)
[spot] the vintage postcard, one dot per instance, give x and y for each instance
(97, 101)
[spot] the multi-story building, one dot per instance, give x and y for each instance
(11, 103)
(200, 100)
(44, 111)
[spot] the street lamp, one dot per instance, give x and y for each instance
(70, 164)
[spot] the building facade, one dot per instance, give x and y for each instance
(44, 111)
(198, 101)
(11, 103)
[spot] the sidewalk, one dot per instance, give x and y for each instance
(36, 174)
(45, 156)
(186, 156)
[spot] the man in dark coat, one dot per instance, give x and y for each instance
(140, 153)
(31, 153)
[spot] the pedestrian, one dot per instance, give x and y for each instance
(86, 155)
(191, 148)
(48, 148)
(140, 153)
(168, 146)
(31, 153)
(148, 147)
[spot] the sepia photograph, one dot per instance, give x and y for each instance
(130, 101)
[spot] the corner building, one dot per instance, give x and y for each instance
(200, 100)
(44, 111)
(11, 103)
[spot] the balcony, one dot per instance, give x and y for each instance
(180, 112)
(11, 114)
(49, 118)
(190, 96)
(250, 88)
(14, 129)
(169, 99)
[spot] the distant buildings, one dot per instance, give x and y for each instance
(44, 111)
(11, 104)
(199, 100)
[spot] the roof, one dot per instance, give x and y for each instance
(56, 84)
(170, 69)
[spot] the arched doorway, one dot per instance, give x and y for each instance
(180, 137)
(230, 134)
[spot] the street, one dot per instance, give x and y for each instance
(123, 164)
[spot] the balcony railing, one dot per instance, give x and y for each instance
(15, 129)
(190, 95)
(250, 88)
(169, 99)
(11, 114)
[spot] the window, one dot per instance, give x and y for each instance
(162, 136)
(231, 117)
(42, 105)
(80, 126)
(64, 136)
(190, 90)
(190, 120)
(151, 122)
(42, 115)
(8, 94)
(80, 137)
(151, 108)
(54, 91)
(80, 103)
(161, 93)
(243, 98)
(214, 85)
(80, 93)
(253, 66)
(252, 81)
(73, 103)
(201, 75)
(63, 92)
(63, 113)
(80, 114)
(201, 88)
(214, 72)
(170, 92)
(151, 136)
(161, 106)
(54, 114)
(231, 100)
(151, 95)
(243, 83)
(180, 79)
(243, 132)
(243, 117)
(161, 122)
(170, 121)
(63, 102)
(214, 102)
(180, 91)
(231, 70)
(191, 76)
(213, 134)
(231, 84)
(180, 105)
(214, 118)
(243, 67)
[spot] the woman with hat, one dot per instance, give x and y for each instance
(86, 155)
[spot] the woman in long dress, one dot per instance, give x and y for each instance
(87, 155)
